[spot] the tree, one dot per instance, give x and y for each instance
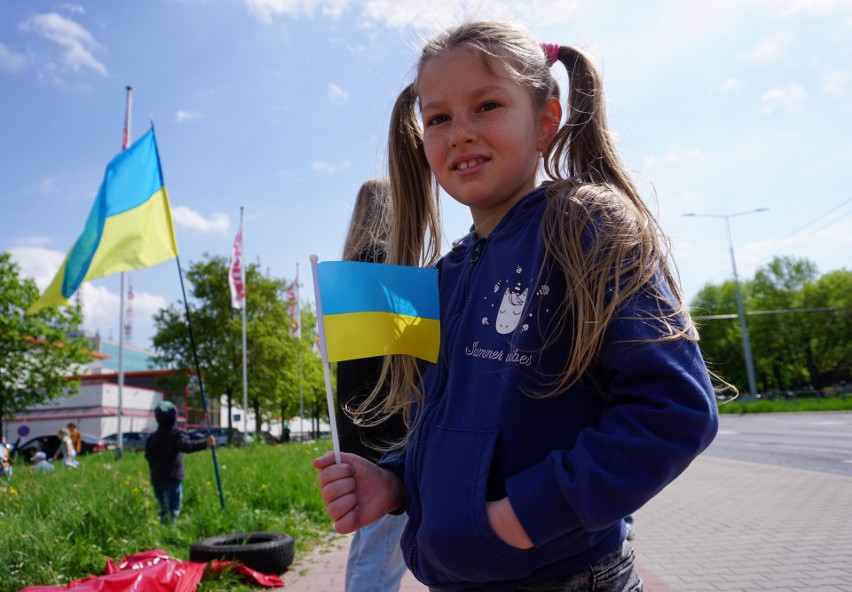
(828, 357)
(721, 338)
(779, 335)
(272, 354)
(37, 352)
(799, 324)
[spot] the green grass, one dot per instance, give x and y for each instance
(63, 525)
(787, 405)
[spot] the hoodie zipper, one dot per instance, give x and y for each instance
(478, 248)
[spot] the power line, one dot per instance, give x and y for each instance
(776, 242)
(767, 312)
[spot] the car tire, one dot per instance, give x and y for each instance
(266, 552)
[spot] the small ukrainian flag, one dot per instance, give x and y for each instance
(377, 309)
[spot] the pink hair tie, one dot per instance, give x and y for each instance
(551, 53)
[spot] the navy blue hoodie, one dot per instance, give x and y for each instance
(572, 465)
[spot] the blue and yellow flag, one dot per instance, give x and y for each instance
(129, 226)
(375, 309)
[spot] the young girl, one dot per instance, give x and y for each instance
(66, 449)
(569, 388)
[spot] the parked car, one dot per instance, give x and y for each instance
(130, 440)
(221, 434)
(50, 444)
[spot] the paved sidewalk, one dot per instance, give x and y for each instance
(723, 525)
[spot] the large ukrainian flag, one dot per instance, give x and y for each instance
(129, 226)
(375, 309)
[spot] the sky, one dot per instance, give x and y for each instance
(282, 107)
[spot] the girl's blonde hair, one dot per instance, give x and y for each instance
(371, 219)
(602, 237)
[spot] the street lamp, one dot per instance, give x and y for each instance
(752, 383)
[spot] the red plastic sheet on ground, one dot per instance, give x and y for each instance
(155, 571)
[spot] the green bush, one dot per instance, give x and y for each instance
(738, 406)
(63, 525)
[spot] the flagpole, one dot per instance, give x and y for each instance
(119, 450)
(200, 383)
(298, 335)
(245, 369)
(332, 416)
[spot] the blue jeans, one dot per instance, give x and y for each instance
(169, 497)
(613, 573)
(375, 561)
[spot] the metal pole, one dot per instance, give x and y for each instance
(749, 362)
(752, 383)
(119, 448)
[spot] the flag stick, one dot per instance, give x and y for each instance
(200, 384)
(332, 415)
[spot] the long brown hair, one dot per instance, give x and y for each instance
(371, 219)
(588, 187)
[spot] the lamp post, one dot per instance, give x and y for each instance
(752, 383)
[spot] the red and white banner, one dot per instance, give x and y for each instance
(236, 272)
(295, 312)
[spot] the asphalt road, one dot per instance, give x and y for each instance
(811, 441)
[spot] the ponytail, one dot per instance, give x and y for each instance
(582, 149)
(415, 238)
(598, 230)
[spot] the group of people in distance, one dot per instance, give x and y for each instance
(569, 388)
(70, 445)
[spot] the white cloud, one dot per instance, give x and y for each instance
(46, 186)
(267, 9)
(10, 60)
(73, 8)
(837, 83)
(190, 219)
(337, 94)
(76, 41)
(789, 98)
(729, 85)
(101, 306)
(794, 7)
(420, 14)
(147, 305)
(328, 168)
(182, 116)
(768, 49)
(37, 262)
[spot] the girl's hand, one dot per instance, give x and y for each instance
(505, 524)
(356, 492)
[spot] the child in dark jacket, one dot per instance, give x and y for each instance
(164, 452)
(569, 388)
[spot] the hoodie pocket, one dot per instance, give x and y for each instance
(454, 542)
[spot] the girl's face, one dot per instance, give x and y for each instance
(481, 133)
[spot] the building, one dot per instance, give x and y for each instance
(95, 408)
